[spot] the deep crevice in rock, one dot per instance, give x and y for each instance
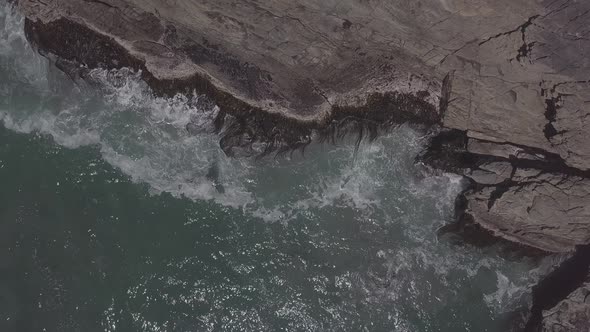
(522, 28)
(556, 286)
(501, 189)
(552, 105)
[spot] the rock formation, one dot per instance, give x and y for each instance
(561, 301)
(571, 314)
(507, 81)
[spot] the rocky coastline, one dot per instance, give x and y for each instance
(504, 84)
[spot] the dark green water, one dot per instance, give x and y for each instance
(113, 218)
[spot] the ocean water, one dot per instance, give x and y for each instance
(114, 218)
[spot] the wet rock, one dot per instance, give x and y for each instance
(528, 197)
(548, 211)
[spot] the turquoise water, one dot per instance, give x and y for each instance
(114, 218)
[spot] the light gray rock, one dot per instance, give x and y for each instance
(568, 129)
(293, 57)
(492, 173)
(547, 211)
(570, 315)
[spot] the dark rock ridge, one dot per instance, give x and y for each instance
(508, 81)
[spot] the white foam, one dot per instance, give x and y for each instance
(60, 127)
(508, 292)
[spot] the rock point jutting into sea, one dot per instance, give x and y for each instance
(501, 86)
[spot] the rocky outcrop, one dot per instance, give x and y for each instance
(571, 314)
(264, 97)
(303, 60)
(508, 81)
(294, 58)
(548, 211)
(535, 201)
(520, 194)
(521, 98)
(561, 301)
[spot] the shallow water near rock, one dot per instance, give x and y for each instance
(115, 218)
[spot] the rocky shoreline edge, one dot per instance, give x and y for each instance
(525, 194)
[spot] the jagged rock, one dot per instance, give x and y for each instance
(513, 75)
(568, 115)
(492, 173)
(570, 315)
(519, 69)
(298, 58)
(547, 211)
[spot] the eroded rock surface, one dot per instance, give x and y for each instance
(528, 85)
(519, 69)
(294, 57)
(520, 194)
(513, 76)
(570, 315)
(548, 211)
(561, 300)
(302, 57)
